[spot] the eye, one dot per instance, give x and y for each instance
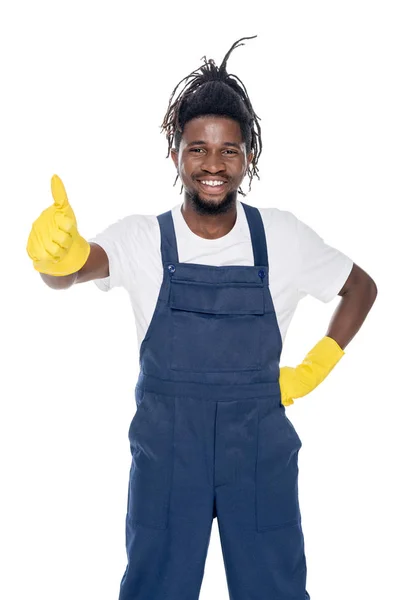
(197, 150)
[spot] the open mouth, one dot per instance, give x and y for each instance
(213, 186)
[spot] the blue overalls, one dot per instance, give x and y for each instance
(210, 437)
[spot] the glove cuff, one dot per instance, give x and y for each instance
(330, 349)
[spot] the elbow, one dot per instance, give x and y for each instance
(370, 292)
(373, 289)
(361, 285)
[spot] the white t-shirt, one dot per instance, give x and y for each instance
(300, 262)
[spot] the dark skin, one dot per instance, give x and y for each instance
(219, 153)
(222, 155)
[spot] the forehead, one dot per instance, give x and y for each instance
(212, 129)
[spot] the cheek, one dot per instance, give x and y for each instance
(240, 169)
(185, 170)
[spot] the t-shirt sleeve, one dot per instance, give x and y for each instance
(113, 240)
(322, 269)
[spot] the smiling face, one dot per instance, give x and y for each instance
(211, 162)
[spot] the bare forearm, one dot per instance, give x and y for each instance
(61, 282)
(356, 302)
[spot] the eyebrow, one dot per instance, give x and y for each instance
(198, 142)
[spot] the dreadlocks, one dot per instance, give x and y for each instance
(210, 90)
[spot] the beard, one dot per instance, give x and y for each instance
(210, 207)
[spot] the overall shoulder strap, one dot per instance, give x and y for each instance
(169, 250)
(257, 233)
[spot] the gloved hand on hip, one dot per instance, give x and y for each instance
(296, 382)
(54, 244)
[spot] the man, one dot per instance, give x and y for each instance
(214, 283)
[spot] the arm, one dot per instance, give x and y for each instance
(96, 267)
(358, 295)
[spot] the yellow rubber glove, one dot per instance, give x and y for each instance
(54, 244)
(296, 382)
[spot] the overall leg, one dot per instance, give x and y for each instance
(257, 506)
(170, 499)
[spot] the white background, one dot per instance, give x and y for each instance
(85, 86)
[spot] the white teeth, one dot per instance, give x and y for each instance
(213, 183)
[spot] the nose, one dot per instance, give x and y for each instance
(213, 163)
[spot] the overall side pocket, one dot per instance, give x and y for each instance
(277, 503)
(150, 479)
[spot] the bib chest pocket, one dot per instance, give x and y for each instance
(216, 326)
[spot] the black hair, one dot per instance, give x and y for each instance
(210, 90)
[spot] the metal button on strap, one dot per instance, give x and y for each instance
(171, 268)
(261, 273)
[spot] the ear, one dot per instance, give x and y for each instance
(249, 158)
(174, 156)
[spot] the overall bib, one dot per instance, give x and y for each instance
(210, 437)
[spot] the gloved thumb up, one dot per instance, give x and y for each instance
(54, 244)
